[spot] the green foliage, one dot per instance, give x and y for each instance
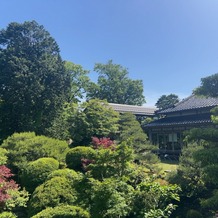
(111, 198)
(63, 211)
(52, 193)
(189, 173)
(111, 162)
(202, 135)
(33, 80)
(3, 157)
(130, 128)
(36, 172)
(75, 156)
(7, 215)
(66, 173)
(152, 199)
(11, 196)
(115, 86)
(209, 86)
(93, 118)
(167, 101)
(25, 147)
(209, 164)
(79, 80)
(194, 214)
(214, 115)
(18, 198)
(211, 203)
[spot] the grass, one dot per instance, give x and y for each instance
(167, 166)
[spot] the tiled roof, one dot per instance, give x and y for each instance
(182, 120)
(137, 110)
(192, 102)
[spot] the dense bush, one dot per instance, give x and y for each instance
(37, 171)
(52, 193)
(25, 147)
(75, 156)
(66, 173)
(63, 211)
(7, 215)
(193, 214)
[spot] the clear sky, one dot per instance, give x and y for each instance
(169, 44)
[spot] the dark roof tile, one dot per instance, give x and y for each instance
(137, 110)
(182, 120)
(192, 102)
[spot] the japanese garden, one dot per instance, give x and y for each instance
(65, 152)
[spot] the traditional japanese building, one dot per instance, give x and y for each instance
(167, 130)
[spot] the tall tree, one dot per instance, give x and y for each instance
(167, 101)
(93, 118)
(130, 128)
(115, 86)
(209, 86)
(79, 80)
(33, 80)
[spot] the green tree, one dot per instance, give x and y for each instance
(208, 87)
(79, 80)
(33, 80)
(110, 198)
(154, 200)
(115, 86)
(167, 101)
(208, 138)
(112, 161)
(130, 128)
(189, 176)
(93, 118)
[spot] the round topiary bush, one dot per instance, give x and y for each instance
(67, 173)
(36, 172)
(63, 211)
(76, 155)
(53, 192)
(26, 147)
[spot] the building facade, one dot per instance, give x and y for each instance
(168, 130)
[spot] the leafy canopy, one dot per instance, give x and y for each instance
(167, 101)
(115, 86)
(25, 147)
(33, 80)
(93, 118)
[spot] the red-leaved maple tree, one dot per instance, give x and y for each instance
(6, 184)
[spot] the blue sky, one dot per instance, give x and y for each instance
(169, 44)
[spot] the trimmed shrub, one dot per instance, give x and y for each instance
(67, 173)
(52, 193)
(75, 156)
(63, 211)
(37, 172)
(25, 147)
